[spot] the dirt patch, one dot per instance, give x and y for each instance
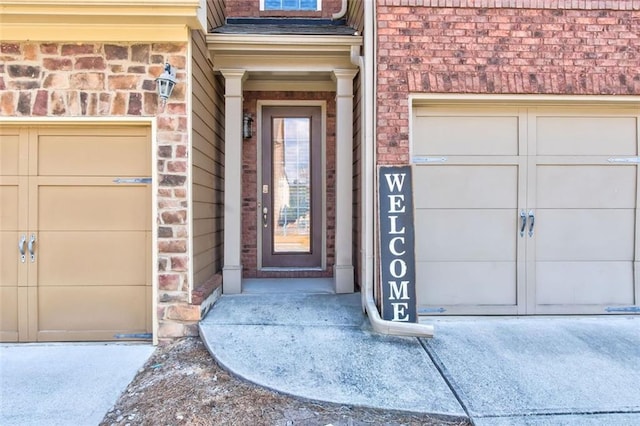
(181, 384)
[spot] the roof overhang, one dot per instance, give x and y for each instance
(285, 62)
(100, 20)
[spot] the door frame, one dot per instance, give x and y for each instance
(323, 181)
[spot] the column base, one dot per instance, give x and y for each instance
(232, 279)
(343, 279)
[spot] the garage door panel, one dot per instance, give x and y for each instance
(10, 259)
(8, 313)
(584, 283)
(466, 283)
(474, 235)
(586, 186)
(580, 234)
(9, 154)
(9, 205)
(586, 135)
(91, 276)
(93, 155)
(93, 208)
(465, 135)
(466, 186)
(118, 308)
(93, 258)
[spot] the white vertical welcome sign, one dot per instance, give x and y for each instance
(397, 244)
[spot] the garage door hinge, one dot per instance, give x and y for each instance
(146, 180)
(423, 160)
(427, 311)
(634, 160)
(137, 336)
(629, 309)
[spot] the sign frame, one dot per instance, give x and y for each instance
(397, 244)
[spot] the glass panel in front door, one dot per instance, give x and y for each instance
(292, 185)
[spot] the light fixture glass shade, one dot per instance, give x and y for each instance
(166, 82)
(247, 120)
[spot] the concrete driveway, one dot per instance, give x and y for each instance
(492, 371)
(542, 370)
(65, 383)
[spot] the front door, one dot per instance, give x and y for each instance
(291, 212)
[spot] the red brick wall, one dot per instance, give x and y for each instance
(251, 8)
(499, 51)
(250, 176)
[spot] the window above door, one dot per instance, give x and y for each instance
(306, 5)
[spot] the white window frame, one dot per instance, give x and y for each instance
(318, 7)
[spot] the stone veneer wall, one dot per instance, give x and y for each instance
(560, 47)
(117, 80)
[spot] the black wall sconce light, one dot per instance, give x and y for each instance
(166, 82)
(247, 128)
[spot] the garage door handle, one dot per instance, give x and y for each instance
(533, 222)
(23, 240)
(523, 217)
(32, 240)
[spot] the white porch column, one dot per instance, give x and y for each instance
(343, 268)
(232, 268)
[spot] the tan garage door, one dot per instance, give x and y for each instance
(86, 275)
(526, 210)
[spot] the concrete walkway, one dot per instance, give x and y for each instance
(65, 383)
(508, 371)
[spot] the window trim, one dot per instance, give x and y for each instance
(318, 8)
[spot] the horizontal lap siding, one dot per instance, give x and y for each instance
(207, 165)
(355, 14)
(357, 175)
(215, 13)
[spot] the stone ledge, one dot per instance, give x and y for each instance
(206, 289)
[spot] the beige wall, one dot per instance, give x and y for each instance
(207, 165)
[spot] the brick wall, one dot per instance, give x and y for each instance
(251, 8)
(523, 4)
(250, 176)
(107, 80)
(498, 50)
